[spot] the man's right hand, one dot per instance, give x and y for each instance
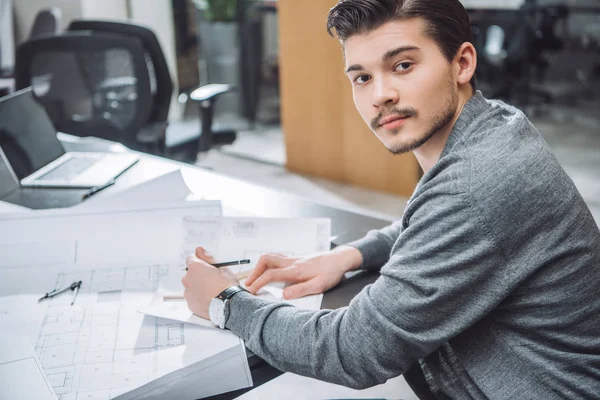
(306, 276)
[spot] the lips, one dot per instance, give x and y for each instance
(388, 120)
(393, 122)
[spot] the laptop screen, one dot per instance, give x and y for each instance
(27, 136)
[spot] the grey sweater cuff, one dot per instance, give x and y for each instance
(375, 251)
(241, 309)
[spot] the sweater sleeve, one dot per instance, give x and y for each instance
(445, 273)
(377, 245)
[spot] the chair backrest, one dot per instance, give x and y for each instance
(91, 84)
(157, 64)
(47, 22)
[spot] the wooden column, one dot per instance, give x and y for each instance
(324, 134)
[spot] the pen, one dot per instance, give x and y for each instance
(96, 189)
(229, 263)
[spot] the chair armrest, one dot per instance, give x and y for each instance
(210, 91)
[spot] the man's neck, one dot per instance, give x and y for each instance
(429, 153)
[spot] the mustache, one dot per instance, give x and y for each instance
(401, 112)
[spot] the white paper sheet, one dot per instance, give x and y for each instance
(21, 375)
(174, 309)
(231, 239)
(141, 233)
(178, 310)
(103, 348)
(296, 387)
(7, 208)
(166, 188)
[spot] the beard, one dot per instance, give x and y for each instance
(435, 125)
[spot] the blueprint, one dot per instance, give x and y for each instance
(101, 347)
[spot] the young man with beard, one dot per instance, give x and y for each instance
(489, 281)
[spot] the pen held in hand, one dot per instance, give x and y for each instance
(229, 263)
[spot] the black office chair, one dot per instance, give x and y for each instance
(47, 22)
(153, 133)
(176, 144)
(91, 84)
(514, 44)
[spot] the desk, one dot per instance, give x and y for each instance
(234, 194)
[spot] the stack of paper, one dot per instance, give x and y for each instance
(101, 347)
(21, 376)
(7, 208)
(128, 250)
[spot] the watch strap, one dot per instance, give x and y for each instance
(230, 292)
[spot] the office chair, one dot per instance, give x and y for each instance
(175, 144)
(47, 22)
(153, 133)
(91, 84)
(513, 45)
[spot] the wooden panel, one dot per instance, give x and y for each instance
(324, 134)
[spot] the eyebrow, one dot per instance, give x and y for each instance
(386, 57)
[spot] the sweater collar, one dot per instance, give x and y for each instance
(474, 107)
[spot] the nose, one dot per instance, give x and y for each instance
(384, 93)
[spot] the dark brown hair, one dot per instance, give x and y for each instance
(448, 22)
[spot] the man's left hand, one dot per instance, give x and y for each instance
(202, 283)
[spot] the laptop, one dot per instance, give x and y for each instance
(29, 142)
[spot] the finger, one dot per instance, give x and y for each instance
(193, 262)
(268, 261)
(184, 281)
(202, 254)
(303, 289)
(275, 275)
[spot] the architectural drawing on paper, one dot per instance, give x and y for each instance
(101, 346)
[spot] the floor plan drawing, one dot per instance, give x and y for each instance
(101, 346)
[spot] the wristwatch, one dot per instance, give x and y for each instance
(218, 309)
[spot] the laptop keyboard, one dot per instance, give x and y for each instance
(70, 169)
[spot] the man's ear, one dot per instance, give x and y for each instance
(466, 61)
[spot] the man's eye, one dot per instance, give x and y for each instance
(403, 66)
(362, 79)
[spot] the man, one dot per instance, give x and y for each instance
(489, 281)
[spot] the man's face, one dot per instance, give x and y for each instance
(403, 86)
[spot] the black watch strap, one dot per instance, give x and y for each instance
(230, 292)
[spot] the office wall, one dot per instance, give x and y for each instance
(7, 45)
(324, 134)
(105, 9)
(158, 15)
(26, 10)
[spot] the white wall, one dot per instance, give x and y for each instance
(105, 9)
(159, 17)
(26, 10)
(7, 45)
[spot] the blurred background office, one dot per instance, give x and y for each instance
(254, 89)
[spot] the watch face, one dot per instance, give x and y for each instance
(216, 312)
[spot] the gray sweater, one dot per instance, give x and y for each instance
(489, 281)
